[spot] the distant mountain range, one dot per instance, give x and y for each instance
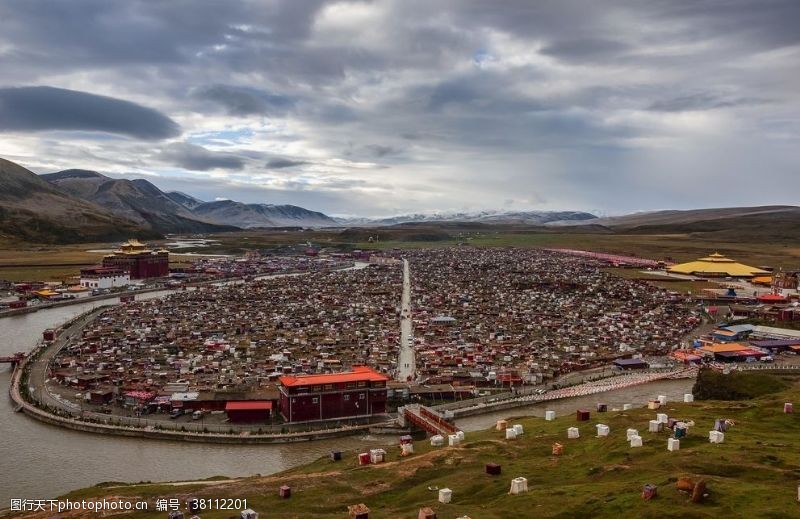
(489, 217)
(77, 205)
(261, 215)
(174, 212)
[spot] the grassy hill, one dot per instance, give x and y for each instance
(754, 473)
(137, 200)
(32, 210)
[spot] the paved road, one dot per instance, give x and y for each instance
(406, 362)
(38, 372)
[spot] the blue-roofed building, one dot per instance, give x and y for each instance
(732, 333)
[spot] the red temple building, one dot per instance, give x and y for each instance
(356, 393)
(135, 258)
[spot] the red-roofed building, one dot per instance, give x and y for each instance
(356, 393)
(772, 298)
(248, 411)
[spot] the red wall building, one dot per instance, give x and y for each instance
(361, 392)
(142, 263)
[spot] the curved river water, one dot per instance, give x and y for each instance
(41, 461)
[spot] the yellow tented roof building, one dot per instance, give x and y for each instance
(717, 265)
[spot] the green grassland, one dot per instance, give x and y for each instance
(754, 473)
(749, 246)
(675, 247)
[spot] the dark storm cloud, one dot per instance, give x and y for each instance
(579, 100)
(483, 92)
(32, 109)
(283, 163)
(702, 101)
(585, 49)
(197, 158)
(380, 150)
(131, 31)
(764, 24)
(241, 101)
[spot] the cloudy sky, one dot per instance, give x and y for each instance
(390, 107)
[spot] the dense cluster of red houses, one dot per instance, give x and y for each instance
(201, 350)
(513, 316)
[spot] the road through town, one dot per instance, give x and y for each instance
(406, 360)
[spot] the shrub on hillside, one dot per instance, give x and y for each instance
(713, 385)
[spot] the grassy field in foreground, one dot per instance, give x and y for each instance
(754, 473)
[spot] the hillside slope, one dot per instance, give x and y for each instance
(137, 200)
(693, 216)
(262, 215)
(753, 473)
(185, 200)
(33, 210)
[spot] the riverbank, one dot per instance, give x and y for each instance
(751, 474)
